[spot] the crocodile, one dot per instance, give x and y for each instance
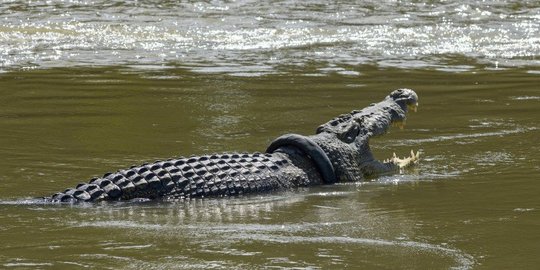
(338, 152)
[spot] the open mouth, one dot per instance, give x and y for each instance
(400, 123)
(414, 157)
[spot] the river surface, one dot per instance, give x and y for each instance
(88, 87)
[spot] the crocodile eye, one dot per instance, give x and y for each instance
(349, 133)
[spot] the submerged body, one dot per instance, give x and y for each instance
(338, 152)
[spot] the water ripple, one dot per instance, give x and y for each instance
(464, 260)
(263, 36)
(466, 136)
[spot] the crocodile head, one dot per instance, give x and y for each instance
(373, 120)
(345, 138)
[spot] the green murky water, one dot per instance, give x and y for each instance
(88, 87)
(471, 203)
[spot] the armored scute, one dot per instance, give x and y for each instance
(338, 152)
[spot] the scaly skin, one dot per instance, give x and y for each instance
(339, 152)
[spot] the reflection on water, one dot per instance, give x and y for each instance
(471, 199)
(251, 38)
(233, 233)
(88, 87)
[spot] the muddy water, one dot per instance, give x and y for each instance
(88, 87)
(471, 203)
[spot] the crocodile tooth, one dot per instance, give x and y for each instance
(414, 107)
